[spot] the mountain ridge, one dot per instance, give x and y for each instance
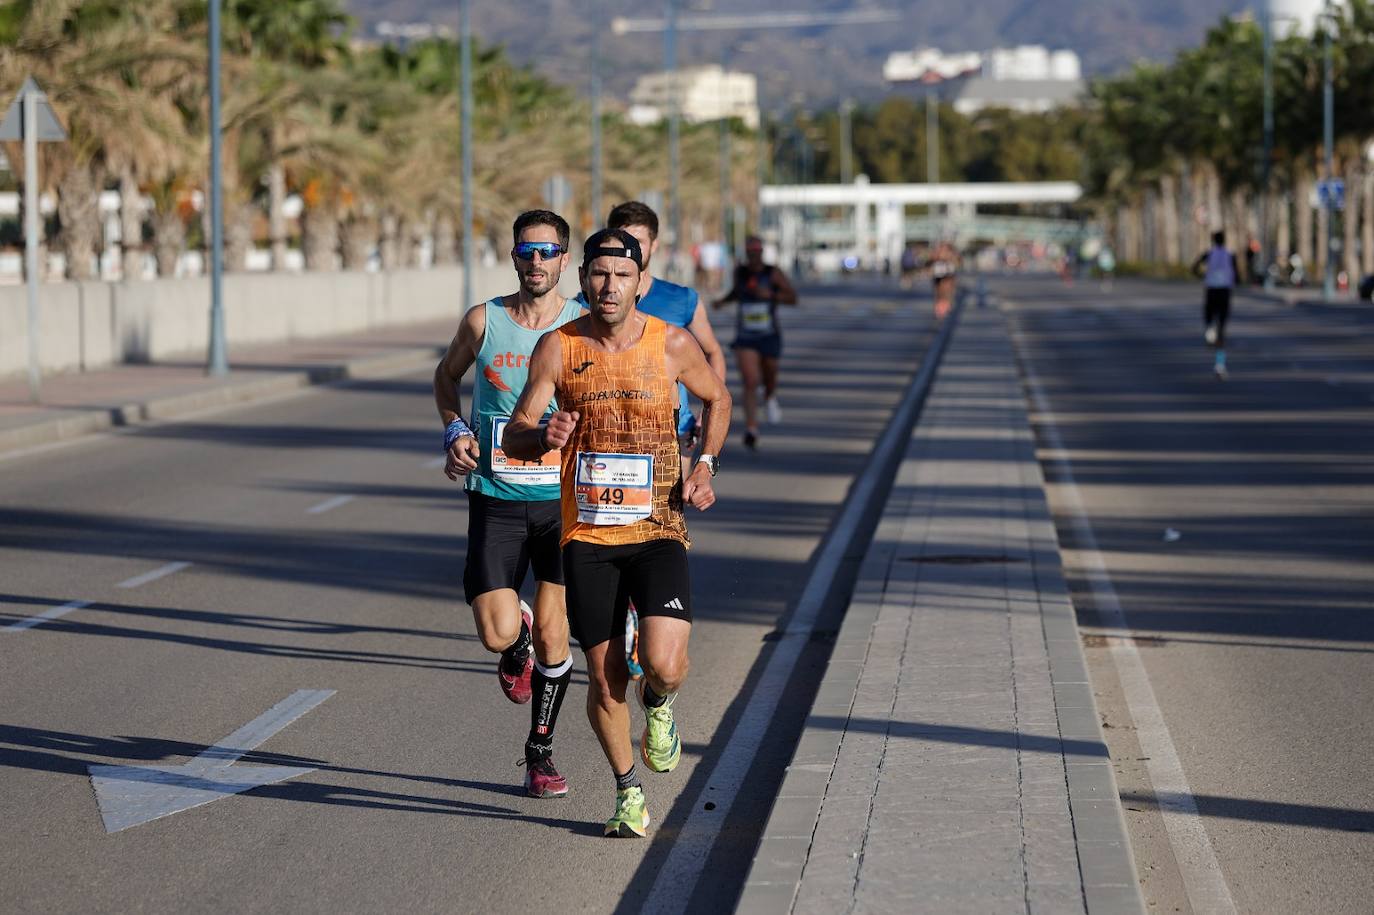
(813, 67)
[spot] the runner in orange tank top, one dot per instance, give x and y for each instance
(615, 372)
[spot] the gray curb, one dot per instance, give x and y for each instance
(231, 392)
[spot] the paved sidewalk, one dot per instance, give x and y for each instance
(79, 403)
(953, 760)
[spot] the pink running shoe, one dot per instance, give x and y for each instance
(542, 779)
(517, 688)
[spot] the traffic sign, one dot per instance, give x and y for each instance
(49, 129)
(1331, 193)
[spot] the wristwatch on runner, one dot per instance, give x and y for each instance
(711, 461)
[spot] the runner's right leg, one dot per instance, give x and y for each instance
(769, 366)
(552, 660)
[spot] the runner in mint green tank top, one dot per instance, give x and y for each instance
(502, 366)
(514, 516)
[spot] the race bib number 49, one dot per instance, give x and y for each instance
(613, 488)
(543, 472)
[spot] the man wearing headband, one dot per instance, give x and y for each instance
(681, 307)
(513, 510)
(615, 373)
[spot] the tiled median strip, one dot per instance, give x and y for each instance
(953, 759)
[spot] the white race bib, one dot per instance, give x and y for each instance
(756, 317)
(543, 472)
(613, 488)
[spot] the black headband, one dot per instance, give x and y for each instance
(612, 243)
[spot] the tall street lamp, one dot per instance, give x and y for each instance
(1328, 138)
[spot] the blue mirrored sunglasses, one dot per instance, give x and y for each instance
(547, 250)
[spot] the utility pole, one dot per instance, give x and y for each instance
(674, 138)
(932, 157)
(219, 359)
(596, 124)
(1328, 138)
(465, 55)
(1266, 166)
(846, 142)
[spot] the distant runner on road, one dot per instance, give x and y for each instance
(759, 289)
(1217, 267)
(615, 372)
(513, 512)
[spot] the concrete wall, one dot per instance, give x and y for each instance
(92, 324)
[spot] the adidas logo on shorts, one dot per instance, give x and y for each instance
(674, 604)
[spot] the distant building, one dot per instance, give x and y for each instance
(706, 93)
(1295, 16)
(1029, 78)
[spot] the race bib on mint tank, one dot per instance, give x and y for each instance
(613, 488)
(543, 472)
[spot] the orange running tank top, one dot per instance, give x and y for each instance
(621, 476)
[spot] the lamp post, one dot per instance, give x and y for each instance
(674, 133)
(219, 360)
(596, 125)
(465, 128)
(1328, 139)
(1267, 165)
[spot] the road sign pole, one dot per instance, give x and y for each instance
(30, 102)
(219, 359)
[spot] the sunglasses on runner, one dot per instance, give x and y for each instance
(547, 250)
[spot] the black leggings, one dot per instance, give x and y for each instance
(1215, 311)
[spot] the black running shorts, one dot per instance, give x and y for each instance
(768, 346)
(602, 580)
(505, 538)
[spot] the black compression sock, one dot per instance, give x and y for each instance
(651, 698)
(513, 658)
(628, 780)
(548, 685)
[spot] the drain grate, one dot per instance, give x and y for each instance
(962, 559)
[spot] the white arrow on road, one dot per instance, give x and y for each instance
(132, 795)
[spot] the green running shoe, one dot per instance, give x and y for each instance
(660, 747)
(631, 817)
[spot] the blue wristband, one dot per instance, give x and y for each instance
(456, 430)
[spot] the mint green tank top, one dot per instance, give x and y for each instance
(502, 368)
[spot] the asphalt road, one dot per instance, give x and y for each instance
(325, 553)
(1255, 625)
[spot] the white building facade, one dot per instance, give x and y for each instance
(707, 93)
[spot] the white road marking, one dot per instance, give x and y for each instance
(686, 860)
(162, 572)
(328, 504)
(50, 614)
(132, 795)
(436, 463)
(1203, 880)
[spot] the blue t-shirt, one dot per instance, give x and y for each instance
(676, 305)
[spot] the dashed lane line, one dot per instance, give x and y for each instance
(170, 568)
(329, 504)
